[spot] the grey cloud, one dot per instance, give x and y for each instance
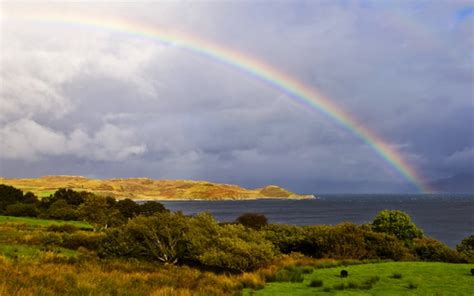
(117, 104)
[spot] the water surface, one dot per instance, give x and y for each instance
(448, 217)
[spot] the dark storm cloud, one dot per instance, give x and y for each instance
(104, 104)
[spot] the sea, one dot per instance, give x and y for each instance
(446, 217)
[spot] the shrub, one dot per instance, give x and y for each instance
(88, 240)
(466, 247)
(252, 220)
(21, 210)
(316, 283)
(237, 248)
(396, 223)
(429, 249)
(287, 238)
(344, 273)
(61, 210)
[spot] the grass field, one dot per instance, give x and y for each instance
(393, 278)
(35, 222)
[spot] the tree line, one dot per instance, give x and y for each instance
(148, 231)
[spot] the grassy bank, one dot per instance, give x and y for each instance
(35, 222)
(392, 278)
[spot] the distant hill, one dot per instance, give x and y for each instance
(463, 183)
(149, 189)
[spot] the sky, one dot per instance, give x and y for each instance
(82, 100)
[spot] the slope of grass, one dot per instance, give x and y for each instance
(417, 278)
(35, 222)
(144, 188)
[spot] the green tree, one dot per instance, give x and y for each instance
(128, 208)
(466, 247)
(396, 223)
(61, 210)
(151, 207)
(9, 195)
(162, 236)
(21, 210)
(96, 211)
(252, 220)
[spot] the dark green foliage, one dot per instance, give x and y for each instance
(61, 210)
(316, 283)
(339, 287)
(287, 238)
(396, 223)
(237, 248)
(128, 208)
(96, 211)
(10, 195)
(21, 210)
(151, 207)
(161, 237)
(70, 196)
(466, 247)
(428, 249)
(252, 220)
(291, 274)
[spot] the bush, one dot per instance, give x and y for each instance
(344, 273)
(87, 240)
(21, 210)
(429, 249)
(466, 247)
(61, 210)
(238, 249)
(316, 283)
(396, 223)
(252, 220)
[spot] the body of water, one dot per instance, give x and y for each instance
(448, 218)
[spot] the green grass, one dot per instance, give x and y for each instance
(418, 278)
(35, 222)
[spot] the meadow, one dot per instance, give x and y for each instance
(387, 278)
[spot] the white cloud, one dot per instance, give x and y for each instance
(25, 139)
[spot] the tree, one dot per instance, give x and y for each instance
(252, 220)
(162, 236)
(21, 210)
(9, 195)
(61, 210)
(151, 207)
(128, 208)
(396, 223)
(96, 211)
(466, 247)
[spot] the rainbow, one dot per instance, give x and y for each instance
(255, 68)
